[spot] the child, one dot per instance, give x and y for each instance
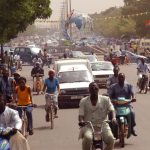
(24, 98)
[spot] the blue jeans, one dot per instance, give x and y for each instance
(29, 118)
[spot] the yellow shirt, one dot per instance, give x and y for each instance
(23, 96)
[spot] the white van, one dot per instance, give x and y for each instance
(74, 84)
(71, 61)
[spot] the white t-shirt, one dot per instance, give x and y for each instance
(17, 57)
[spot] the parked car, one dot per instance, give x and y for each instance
(26, 53)
(74, 83)
(101, 71)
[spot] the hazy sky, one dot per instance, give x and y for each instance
(84, 6)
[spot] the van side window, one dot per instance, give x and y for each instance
(22, 50)
(27, 50)
(17, 50)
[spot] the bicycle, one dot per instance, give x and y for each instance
(50, 108)
(24, 129)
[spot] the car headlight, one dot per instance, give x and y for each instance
(62, 91)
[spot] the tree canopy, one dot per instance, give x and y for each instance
(136, 12)
(138, 7)
(113, 27)
(16, 15)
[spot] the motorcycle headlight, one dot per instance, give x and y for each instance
(97, 136)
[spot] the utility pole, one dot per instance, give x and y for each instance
(70, 11)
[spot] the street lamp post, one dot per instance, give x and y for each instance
(70, 11)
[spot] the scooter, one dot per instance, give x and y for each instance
(5, 134)
(98, 142)
(142, 83)
(4, 144)
(123, 114)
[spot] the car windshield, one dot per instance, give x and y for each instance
(101, 66)
(74, 76)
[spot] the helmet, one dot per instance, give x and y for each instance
(51, 71)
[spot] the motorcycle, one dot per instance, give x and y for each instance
(98, 142)
(5, 134)
(122, 129)
(4, 144)
(142, 83)
(38, 83)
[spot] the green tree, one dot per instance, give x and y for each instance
(138, 7)
(16, 15)
(114, 27)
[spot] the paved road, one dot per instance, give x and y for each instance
(65, 134)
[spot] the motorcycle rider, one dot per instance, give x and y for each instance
(144, 70)
(123, 89)
(45, 58)
(37, 70)
(9, 119)
(7, 86)
(18, 61)
(95, 108)
(37, 59)
(51, 85)
(114, 78)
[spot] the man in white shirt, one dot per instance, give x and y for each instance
(17, 57)
(37, 59)
(95, 108)
(17, 60)
(9, 118)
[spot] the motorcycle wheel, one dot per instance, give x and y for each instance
(146, 90)
(100, 148)
(122, 140)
